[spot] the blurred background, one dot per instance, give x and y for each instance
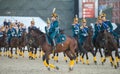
(66, 9)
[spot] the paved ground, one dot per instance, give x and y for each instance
(26, 66)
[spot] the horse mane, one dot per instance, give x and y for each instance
(38, 31)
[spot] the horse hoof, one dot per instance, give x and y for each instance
(76, 62)
(66, 61)
(48, 69)
(95, 62)
(104, 60)
(52, 57)
(102, 63)
(57, 68)
(117, 64)
(88, 64)
(115, 67)
(57, 61)
(71, 69)
(111, 64)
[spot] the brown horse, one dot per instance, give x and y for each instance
(110, 44)
(22, 44)
(99, 45)
(3, 43)
(33, 44)
(14, 43)
(69, 47)
(88, 46)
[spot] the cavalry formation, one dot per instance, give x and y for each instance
(54, 41)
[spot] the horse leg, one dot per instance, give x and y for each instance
(55, 57)
(16, 53)
(65, 57)
(7, 49)
(94, 55)
(33, 57)
(30, 53)
(87, 59)
(20, 51)
(83, 58)
(80, 56)
(102, 58)
(117, 57)
(111, 60)
(11, 52)
(5, 53)
(40, 53)
(72, 59)
(46, 61)
(76, 57)
(35, 54)
(23, 49)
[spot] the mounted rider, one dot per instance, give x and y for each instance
(97, 28)
(32, 26)
(21, 29)
(107, 25)
(53, 29)
(83, 31)
(11, 32)
(75, 27)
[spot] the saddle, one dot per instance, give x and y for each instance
(59, 39)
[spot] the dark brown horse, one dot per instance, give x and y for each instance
(22, 44)
(88, 46)
(3, 43)
(110, 44)
(69, 47)
(99, 45)
(33, 44)
(14, 43)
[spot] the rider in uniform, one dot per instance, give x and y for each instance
(75, 27)
(21, 30)
(107, 25)
(97, 28)
(32, 25)
(11, 32)
(83, 31)
(54, 28)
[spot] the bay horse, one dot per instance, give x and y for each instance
(33, 44)
(14, 43)
(88, 46)
(110, 44)
(22, 43)
(3, 44)
(99, 44)
(69, 47)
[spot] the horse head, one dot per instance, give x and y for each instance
(90, 31)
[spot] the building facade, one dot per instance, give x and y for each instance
(115, 4)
